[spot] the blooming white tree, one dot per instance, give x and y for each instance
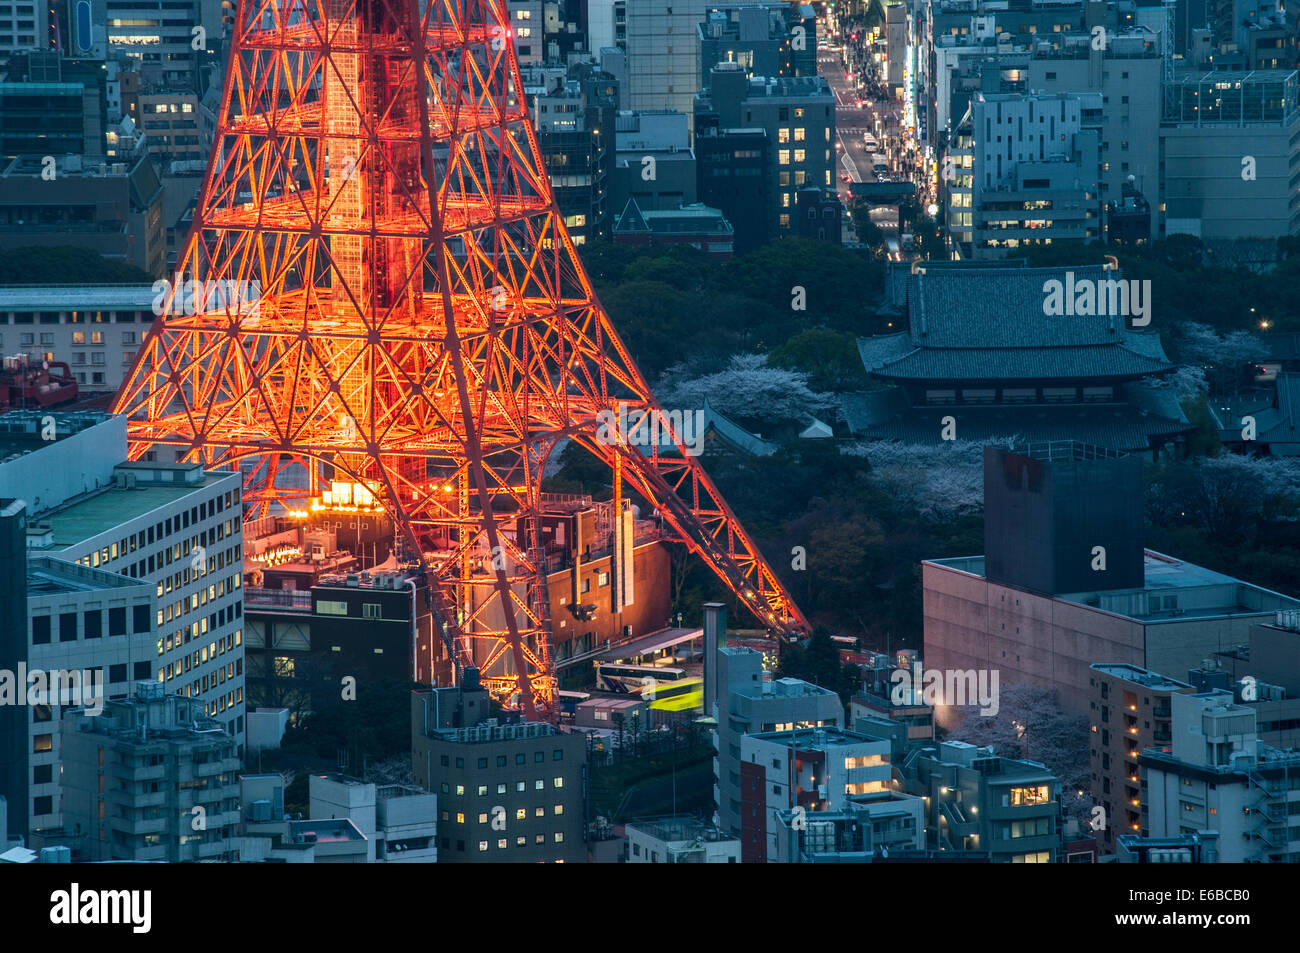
(746, 387)
(1031, 724)
(940, 481)
(1227, 353)
(1187, 382)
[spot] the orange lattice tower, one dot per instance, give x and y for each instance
(386, 293)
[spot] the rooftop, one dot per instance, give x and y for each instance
(333, 830)
(90, 516)
(1201, 593)
(134, 297)
(782, 688)
(51, 577)
(20, 430)
(1139, 676)
(675, 829)
(490, 731)
(817, 739)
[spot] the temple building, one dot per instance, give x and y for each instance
(1007, 351)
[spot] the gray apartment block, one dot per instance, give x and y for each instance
(748, 704)
(978, 801)
(150, 779)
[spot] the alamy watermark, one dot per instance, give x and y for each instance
(74, 688)
(206, 297)
(952, 687)
(1089, 296)
(651, 427)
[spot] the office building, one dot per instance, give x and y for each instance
(114, 209)
(1035, 171)
(766, 39)
(507, 793)
(96, 329)
(798, 116)
(50, 119)
(163, 36)
(573, 113)
(1230, 148)
(1024, 609)
(96, 628)
(151, 779)
(663, 53)
(172, 525)
(1127, 75)
(1131, 711)
(734, 168)
(654, 163)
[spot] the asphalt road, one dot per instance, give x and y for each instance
(851, 120)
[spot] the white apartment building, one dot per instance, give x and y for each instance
(816, 769)
(174, 525)
(1217, 776)
(679, 840)
(24, 25)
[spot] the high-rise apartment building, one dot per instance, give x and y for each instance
(151, 778)
(1131, 711)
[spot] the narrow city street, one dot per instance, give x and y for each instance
(854, 117)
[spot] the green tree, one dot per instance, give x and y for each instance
(63, 264)
(830, 358)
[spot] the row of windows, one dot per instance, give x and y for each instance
(520, 841)
(520, 786)
(28, 339)
(521, 814)
(92, 626)
(503, 842)
(77, 317)
(520, 758)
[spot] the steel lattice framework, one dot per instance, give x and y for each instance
(409, 310)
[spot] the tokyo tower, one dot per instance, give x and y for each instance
(378, 286)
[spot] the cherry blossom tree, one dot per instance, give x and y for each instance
(747, 387)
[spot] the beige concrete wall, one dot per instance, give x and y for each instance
(972, 623)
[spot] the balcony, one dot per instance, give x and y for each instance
(290, 599)
(139, 771)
